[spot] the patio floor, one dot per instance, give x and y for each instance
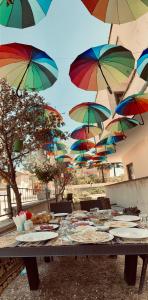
(95, 278)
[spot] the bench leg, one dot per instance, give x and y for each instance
(130, 269)
(143, 275)
(32, 272)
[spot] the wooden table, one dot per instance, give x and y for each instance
(30, 254)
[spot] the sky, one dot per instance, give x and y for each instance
(66, 31)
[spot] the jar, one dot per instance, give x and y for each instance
(28, 225)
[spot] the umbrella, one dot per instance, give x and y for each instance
(121, 124)
(26, 67)
(82, 145)
(142, 65)
(111, 139)
(83, 158)
(64, 158)
(85, 132)
(102, 67)
(54, 147)
(90, 113)
(133, 105)
(56, 153)
(23, 13)
(51, 110)
(116, 12)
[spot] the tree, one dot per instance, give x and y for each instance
(22, 128)
(58, 173)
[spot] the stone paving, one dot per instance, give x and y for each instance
(93, 278)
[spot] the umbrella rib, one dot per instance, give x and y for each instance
(24, 73)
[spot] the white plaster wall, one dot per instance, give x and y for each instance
(130, 194)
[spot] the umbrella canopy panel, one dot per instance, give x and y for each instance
(82, 145)
(115, 11)
(26, 67)
(23, 13)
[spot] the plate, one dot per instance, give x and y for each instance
(41, 227)
(119, 224)
(60, 215)
(83, 223)
(36, 236)
(91, 237)
(130, 233)
(128, 218)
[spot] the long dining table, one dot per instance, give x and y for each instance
(29, 252)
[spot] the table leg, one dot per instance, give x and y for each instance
(130, 269)
(32, 272)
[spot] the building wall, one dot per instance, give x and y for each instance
(130, 193)
(135, 148)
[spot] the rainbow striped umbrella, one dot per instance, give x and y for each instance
(90, 113)
(142, 65)
(111, 139)
(23, 13)
(26, 67)
(54, 147)
(64, 158)
(83, 158)
(82, 145)
(56, 153)
(102, 67)
(116, 12)
(51, 110)
(85, 132)
(121, 125)
(133, 105)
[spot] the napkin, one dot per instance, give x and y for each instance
(19, 222)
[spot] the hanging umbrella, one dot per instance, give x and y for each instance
(116, 12)
(90, 113)
(85, 132)
(111, 139)
(83, 158)
(48, 110)
(56, 153)
(26, 67)
(64, 158)
(82, 145)
(133, 105)
(54, 147)
(102, 67)
(121, 124)
(142, 65)
(22, 13)
(99, 158)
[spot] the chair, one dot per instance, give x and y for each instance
(61, 207)
(104, 203)
(143, 273)
(69, 197)
(89, 204)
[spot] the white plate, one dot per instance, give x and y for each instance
(60, 215)
(36, 236)
(91, 237)
(128, 218)
(130, 233)
(38, 228)
(120, 224)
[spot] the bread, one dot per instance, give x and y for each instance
(41, 218)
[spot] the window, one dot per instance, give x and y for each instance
(119, 97)
(130, 171)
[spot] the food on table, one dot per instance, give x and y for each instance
(90, 236)
(41, 218)
(131, 211)
(46, 227)
(119, 224)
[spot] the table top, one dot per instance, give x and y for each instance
(62, 246)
